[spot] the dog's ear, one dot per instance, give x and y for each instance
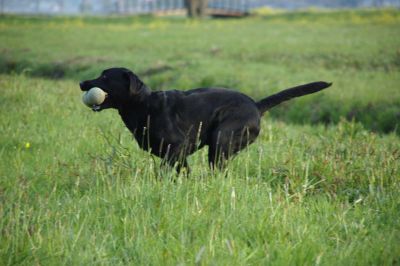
(136, 88)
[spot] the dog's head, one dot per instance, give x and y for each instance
(122, 86)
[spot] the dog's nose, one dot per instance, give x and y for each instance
(82, 85)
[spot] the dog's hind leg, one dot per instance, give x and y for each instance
(183, 165)
(226, 143)
(178, 162)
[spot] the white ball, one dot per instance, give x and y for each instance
(94, 96)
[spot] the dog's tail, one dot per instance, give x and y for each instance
(273, 100)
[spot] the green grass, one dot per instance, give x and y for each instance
(356, 50)
(75, 189)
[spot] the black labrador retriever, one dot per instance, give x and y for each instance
(174, 124)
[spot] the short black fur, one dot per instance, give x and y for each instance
(174, 124)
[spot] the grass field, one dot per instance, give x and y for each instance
(320, 185)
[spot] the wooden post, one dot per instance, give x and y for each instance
(203, 8)
(196, 8)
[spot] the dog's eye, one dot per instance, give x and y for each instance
(104, 77)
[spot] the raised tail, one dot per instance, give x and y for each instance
(273, 100)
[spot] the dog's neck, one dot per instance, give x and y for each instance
(136, 117)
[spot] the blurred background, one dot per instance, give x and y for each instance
(99, 7)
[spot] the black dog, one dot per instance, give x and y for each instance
(174, 124)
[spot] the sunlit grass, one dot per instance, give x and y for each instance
(76, 189)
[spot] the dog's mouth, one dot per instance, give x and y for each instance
(104, 105)
(99, 107)
(96, 108)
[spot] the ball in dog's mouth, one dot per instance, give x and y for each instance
(94, 97)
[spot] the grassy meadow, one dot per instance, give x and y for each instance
(320, 186)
